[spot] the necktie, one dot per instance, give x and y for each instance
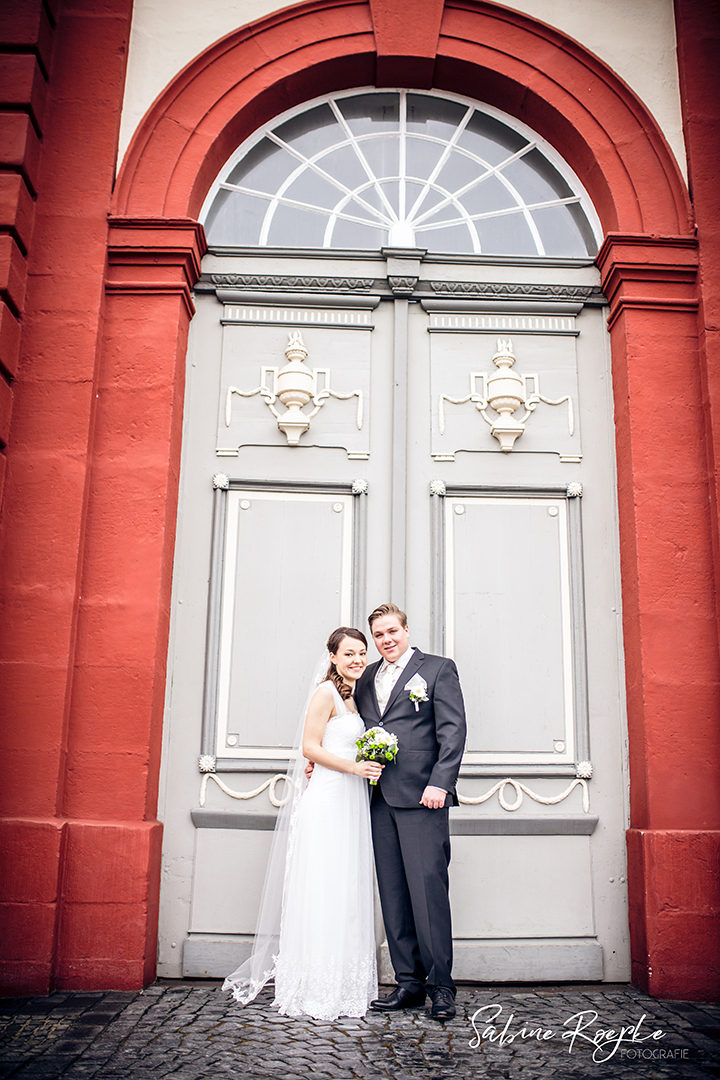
(384, 683)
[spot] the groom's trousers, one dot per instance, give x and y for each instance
(412, 853)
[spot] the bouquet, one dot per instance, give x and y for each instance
(377, 744)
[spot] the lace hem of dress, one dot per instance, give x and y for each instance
(246, 990)
(325, 990)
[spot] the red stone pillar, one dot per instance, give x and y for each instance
(71, 171)
(669, 616)
(698, 37)
(107, 930)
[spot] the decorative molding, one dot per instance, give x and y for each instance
(648, 273)
(269, 315)
(460, 824)
(507, 290)
(437, 487)
(530, 825)
(518, 787)
(402, 286)
(155, 257)
(359, 487)
(221, 480)
(574, 490)
(584, 770)
(207, 763)
(521, 789)
(284, 282)
(271, 784)
(454, 322)
(403, 269)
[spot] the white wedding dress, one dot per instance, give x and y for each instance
(325, 965)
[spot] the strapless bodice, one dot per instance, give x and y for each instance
(341, 734)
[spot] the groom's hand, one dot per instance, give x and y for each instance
(433, 798)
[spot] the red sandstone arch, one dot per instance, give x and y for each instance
(99, 428)
(484, 51)
(649, 269)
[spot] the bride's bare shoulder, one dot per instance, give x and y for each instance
(322, 703)
(323, 694)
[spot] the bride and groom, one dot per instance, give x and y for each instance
(315, 931)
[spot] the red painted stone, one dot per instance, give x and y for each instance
(20, 147)
(5, 411)
(674, 895)
(9, 340)
(106, 862)
(13, 274)
(27, 932)
(23, 85)
(17, 209)
(406, 47)
(25, 24)
(29, 855)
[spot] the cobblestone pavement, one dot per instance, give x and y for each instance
(193, 1031)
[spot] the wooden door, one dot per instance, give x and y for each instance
(400, 488)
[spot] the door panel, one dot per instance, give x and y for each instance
(287, 553)
(509, 625)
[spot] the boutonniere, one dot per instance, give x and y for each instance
(417, 688)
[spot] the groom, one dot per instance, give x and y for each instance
(418, 698)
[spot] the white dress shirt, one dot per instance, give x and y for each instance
(387, 675)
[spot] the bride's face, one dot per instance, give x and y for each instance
(350, 659)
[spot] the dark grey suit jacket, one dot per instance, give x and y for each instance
(431, 739)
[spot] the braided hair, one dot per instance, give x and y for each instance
(333, 644)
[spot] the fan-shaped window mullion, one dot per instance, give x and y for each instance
(464, 219)
(362, 159)
(490, 170)
(439, 165)
(398, 205)
(282, 199)
(312, 163)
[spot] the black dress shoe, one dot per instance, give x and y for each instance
(399, 999)
(443, 1003)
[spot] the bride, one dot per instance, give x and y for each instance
(315, 931)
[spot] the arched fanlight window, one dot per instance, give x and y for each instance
(375, 168)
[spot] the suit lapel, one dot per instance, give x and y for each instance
(371, 673)
(406, 674)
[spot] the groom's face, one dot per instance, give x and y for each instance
(391, 638)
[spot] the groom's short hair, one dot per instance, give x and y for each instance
(387, 609)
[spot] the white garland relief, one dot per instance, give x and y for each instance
(521, 789)
(271, 784)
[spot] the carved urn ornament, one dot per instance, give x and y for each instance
(505, 394)
(504, 391)
(294, 386)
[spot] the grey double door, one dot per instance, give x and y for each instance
(437, 433)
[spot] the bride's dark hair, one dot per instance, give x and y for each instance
(333, 644)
